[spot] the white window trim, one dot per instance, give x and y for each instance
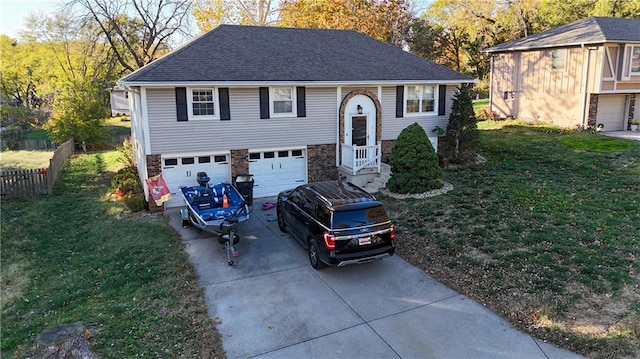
(294, 109)
(216, 104)
(631, 51)
(436, 96)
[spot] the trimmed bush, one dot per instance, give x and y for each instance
(462, 135)
(414, 163)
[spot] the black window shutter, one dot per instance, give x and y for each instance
(264, 102)
(225, 114)
(301, 102)
(399, 101)
(442, 99)
(181, 104)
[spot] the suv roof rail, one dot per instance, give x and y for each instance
(340, 192)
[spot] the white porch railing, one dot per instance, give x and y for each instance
(359, 157)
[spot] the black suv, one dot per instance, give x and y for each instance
(338, 222)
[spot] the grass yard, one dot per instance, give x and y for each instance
(546, 233)
(118, 126)
(24, 160)
(480, 104)
(115, 126)
(75, 256)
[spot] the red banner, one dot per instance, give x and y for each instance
(158, 189)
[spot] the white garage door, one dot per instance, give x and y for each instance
(611, 112)
(275, 171)
(182, 171)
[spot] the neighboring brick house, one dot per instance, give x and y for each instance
(581, 74)
(289, 106)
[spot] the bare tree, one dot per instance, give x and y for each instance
(139, 31)
(211, 13)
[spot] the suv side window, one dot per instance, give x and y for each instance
(294, 197)
(324, 215)
(308, 204)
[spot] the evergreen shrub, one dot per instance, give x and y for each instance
(414, 163)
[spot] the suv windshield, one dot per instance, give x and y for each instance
(359, 217)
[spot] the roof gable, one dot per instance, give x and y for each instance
(269, 54)
(592, 30)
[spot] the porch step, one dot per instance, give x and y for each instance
(379, 181)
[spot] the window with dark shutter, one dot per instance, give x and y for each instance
(301, 102)
(399, 101)
(442, 99)
(264, 102)
(181, 104)
(225, 113)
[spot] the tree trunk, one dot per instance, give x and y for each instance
(68, 341)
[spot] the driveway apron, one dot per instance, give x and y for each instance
(274, 305)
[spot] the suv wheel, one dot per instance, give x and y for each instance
(314, 255)
(281, 225)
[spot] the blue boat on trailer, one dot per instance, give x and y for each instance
(216, 209)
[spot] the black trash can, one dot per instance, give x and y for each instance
(244, 185)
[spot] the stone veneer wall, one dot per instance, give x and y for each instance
(343, 105)
(321, 162)
(387, 146)
(632, 109)
(593, 110)
(239, 163)
(154, 168)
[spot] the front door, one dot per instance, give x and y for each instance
(359, 130)
(360, 121)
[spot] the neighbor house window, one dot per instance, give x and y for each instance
(635, 60)
(282, 101)
(201, 103)
(558, 59)
(420, 99)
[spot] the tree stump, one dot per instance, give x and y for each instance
(68, 341)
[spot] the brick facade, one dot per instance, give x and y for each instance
(632, 109)
(239, 162)
(321, 162)
(154, 168)
(387, 146)
(376, 102)
(593, 110)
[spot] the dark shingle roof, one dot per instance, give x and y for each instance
(264, 54)
(592, 30)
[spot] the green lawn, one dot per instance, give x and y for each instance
(24, 160)
(74, 256)
(480, 104)
(546, 233)
(115, 126)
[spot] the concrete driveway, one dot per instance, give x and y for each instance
(274, 305)
(627, 135)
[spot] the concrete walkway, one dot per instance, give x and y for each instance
(274, 305)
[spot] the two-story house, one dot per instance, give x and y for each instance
(583, 74)
(288, 106)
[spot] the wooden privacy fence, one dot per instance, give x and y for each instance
(25, 183)
(46, 144)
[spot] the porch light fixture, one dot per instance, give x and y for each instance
(359, 110)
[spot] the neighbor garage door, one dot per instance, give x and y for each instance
(611, 112)
(275, 171)
(182, 171)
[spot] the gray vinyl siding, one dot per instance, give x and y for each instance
(392, 126)
(245, 129)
